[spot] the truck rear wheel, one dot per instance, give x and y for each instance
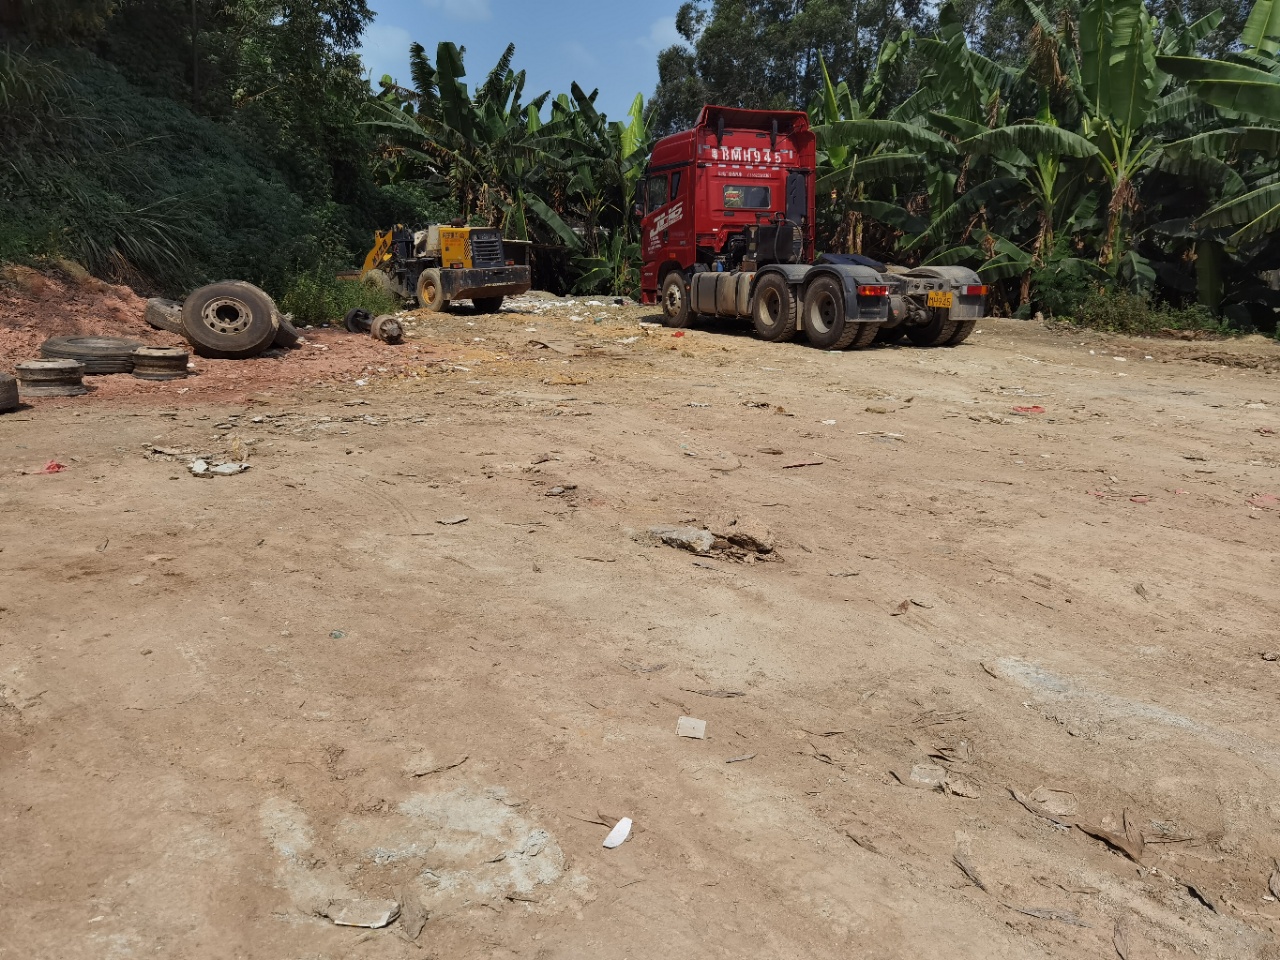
(824, 318)
(936, 332)
(866, 336)
(675, 300)
(890, 334)
(431, 290)
(773, 309)
(961, 334)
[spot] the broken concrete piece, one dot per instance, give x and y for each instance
(373, 914)
(692, 728)
(686, 538)
(927, 775)
(413, 915)
(230, 469)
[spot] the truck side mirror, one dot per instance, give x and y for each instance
(638, 211)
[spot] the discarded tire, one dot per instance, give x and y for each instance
(231, 320)
(160, 363)
(50, 378)
(387, 329)
(164, 315)
(357, 321)
(287, 336)
(99, 355)
(8, 393)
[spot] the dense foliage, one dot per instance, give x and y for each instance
(166, 142)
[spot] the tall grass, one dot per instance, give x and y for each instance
(1136, 315)
(318, 298)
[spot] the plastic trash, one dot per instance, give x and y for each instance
(618, 835)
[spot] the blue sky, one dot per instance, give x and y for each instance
(609, 44)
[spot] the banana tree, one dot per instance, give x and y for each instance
(1245, 86)
(857, 154)
(1127, 103)
(484, 151)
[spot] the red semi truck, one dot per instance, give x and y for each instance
(728, 230)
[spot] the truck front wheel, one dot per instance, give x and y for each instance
(675, 300)
(773, 309)
(824, 318)
(431, 290)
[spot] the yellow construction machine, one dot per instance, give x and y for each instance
(445, 263)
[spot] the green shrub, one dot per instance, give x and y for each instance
(1057, 293)
(1136, 315)
(318, 298)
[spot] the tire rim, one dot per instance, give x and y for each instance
(674, 301)
(227, 316)
(771, 307)
(428, 293)
(823, 312)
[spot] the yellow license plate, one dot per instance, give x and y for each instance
(940, 299)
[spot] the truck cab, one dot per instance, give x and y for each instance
(706, 189)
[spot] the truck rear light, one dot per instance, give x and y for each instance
(455, 266)
(511, 263)
(975, 291)
(873, 291)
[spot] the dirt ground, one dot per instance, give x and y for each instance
(227, 702)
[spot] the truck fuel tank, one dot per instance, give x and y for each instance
(721, 294)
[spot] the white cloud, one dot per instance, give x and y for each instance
(662, 34)
(461, 9)
(384, 48)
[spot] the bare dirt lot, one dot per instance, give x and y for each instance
(227, 702)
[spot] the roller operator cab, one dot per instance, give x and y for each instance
(727, 230)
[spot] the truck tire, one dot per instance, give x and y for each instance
(287, 336)
(8, 393)
(50, 378)
(962, 333)
(675, 300)
(823, 316)
(773, 309)
(431, 291)
(160, 363)
(936, 332)
(866, 336)
(890, 334)
(164, 314)
(231, 320)
(488, 304)
(99, 355)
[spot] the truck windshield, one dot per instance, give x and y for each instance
(750, 198)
